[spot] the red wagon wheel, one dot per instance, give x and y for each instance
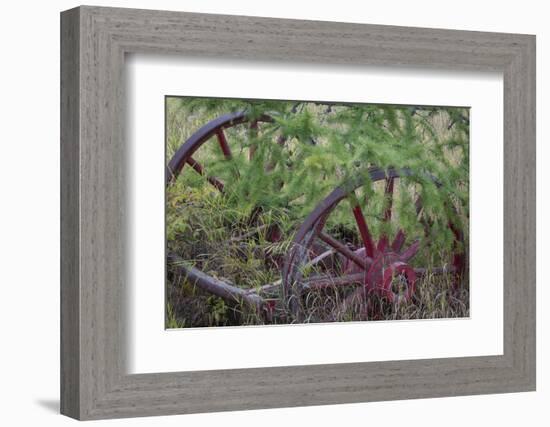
(218, 133)
(213, 131)
(385, 269)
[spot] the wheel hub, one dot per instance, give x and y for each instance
(387, 275)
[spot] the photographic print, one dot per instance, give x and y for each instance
(295, 212)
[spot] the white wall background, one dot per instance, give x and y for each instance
(29, 212)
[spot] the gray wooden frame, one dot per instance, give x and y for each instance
(94, 41)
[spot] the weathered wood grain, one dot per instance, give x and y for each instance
(70, 258)
(94, 270)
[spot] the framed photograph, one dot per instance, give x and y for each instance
(252, 241)
(347, 210)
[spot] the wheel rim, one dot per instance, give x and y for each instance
(371, 268)
(214, 129)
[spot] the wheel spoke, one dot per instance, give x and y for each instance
(223, 143)
(320, 258)
(200, 170)
(411, 251)
(363, 230)
(382, 243)
(344, 250)
(388, 201)
(388, 197)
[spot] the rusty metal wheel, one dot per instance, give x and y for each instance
(361, 269)
(216, 136)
